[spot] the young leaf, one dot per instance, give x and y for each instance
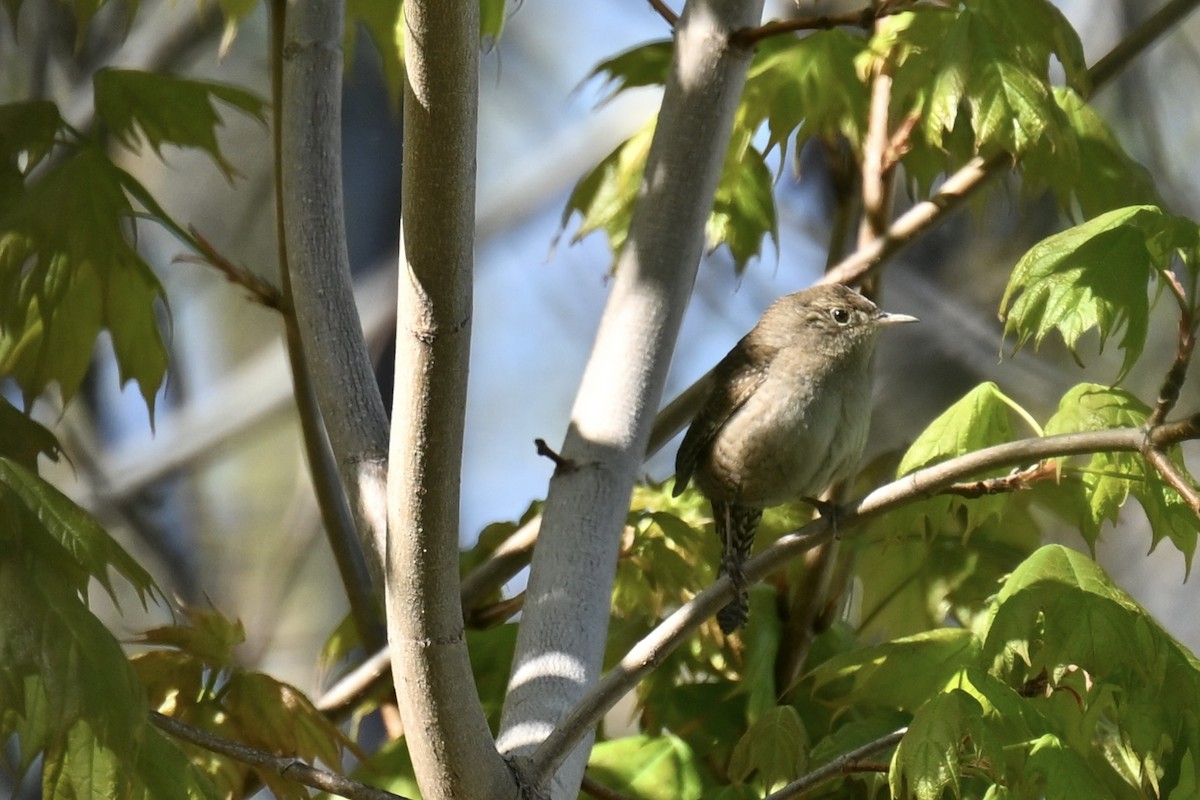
(169, 110)
(1060, 618)
(1103, 178)
(67, 270)
(774, 750)
(744, 206)
(1094, 276)
(980, 419)
(644, 65)
(26, 129)
(44, 521)
(808, 87)
(209, 636)
(65, 685)
(653, 767)
(901, 674)
(277, 717)
(928, 760)
(1109, 478)
(604, 197)
(938, 562)
(990, 62)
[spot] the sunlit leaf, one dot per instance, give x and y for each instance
(650, 767)
(1110, 477)
(928, 760)
(1094, 275)
(899, 674)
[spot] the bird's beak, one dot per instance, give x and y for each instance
(885, 318)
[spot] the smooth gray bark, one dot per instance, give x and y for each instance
(448, 738)
(322, 292)
(561, 640)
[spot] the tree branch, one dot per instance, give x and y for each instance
(336, 516)
(842, 765)
(1174, 477)
(452, 749)
(664, 11)
(330, 333)
(560, 645)
(287, 767)
(923, 483)
(1141, 38)
(862, 18)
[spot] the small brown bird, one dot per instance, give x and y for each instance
(787, 416)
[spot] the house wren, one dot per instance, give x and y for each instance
(787, 417)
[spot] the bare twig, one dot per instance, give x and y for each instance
(337, 517)
(842, 765)
(340, 699)
(1015, 481)
(877, 173)
(862, 18)
(1175, 477)
(664, 11)
(260, 289)
(286, 767)
(675, 629)
(1168, 393)
(1138, 40)
(560, 464)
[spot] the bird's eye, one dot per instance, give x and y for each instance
(840, 315)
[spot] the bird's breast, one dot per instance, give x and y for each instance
(792, 438)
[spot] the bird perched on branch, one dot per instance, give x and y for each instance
(787, 416)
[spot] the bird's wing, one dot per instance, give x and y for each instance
(735, 379)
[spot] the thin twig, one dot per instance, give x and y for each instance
(675, 629)
(862, 18)
(842, 765)
(877, 175)
(260, 289)
(1141, 38)
(1015, 481)
(286, 767)
(664, 11)
(1175, 477)
(340, 699)
(1168, 393)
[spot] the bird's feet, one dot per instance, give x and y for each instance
(828, 510)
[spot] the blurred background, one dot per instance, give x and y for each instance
(215, 500)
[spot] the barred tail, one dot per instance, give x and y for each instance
(736, 526)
